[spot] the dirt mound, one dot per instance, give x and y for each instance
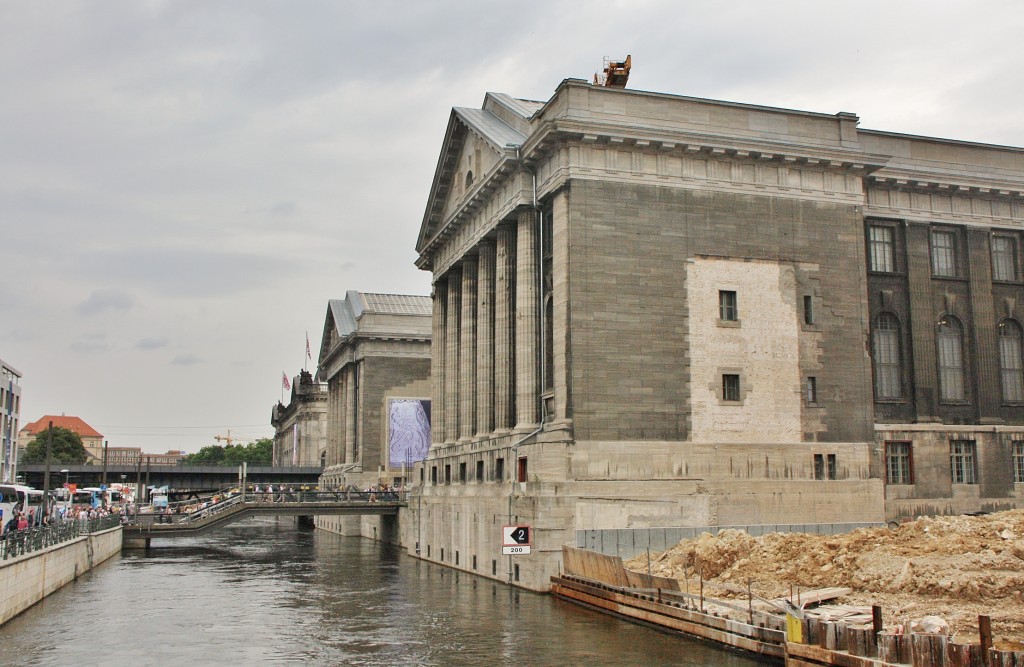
(956, 567)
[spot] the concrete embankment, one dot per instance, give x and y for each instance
(27, 579)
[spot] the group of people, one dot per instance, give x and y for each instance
(285, 493)
(25, 520)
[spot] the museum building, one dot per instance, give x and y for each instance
(652, 310)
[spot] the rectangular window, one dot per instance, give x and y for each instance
(447, 474)
(474, 561)
(727, 309)
(522, 472)
(499, 470)
(730, 387)
(433, 475)
(462, 473)
(881, 249)
(479, 471)
(899, 463)
(819, 466)
(812, 390)
(962, 461)
(1018, 461)
(808, 309)
(494, 567)
(943, 253)
(422, 471)
(830, 466)
(1004, 258)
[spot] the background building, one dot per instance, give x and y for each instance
(10, 407)
(656, 311)
(375, 358)
(92, 439)
(300, 428)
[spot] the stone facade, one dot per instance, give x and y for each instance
(300, 428)
(375, 351)
(10, 410)
(675, 298)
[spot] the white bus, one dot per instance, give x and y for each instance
(23, 499)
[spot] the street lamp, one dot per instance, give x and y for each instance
(65, 471)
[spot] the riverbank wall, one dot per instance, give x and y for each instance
(27, 579)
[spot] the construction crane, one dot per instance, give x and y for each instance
(616, 73)
(226, 438)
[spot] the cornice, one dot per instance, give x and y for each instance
(934, 183)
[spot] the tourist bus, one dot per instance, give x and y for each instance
(92, 496)
(23, 499)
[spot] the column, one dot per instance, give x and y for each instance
(453, 313)
(527, 332)
(922, 324)
(504, 307)
(350, 413)
(437, 365)
(985, 389)
(485, 339)
(467, 349)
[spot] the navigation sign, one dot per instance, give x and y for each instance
(515, 540)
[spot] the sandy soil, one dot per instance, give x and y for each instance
(956, 567)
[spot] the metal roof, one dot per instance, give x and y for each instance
(397, 304)
(490, 127)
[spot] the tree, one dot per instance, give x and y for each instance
(67, 448)
(259, 453)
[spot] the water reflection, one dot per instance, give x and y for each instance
(265, 592)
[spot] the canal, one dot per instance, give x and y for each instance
(265, 592)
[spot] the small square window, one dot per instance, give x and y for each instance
(730, 387)
(727, 308)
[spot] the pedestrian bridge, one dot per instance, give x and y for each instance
(145, 527)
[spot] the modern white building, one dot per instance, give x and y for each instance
(10, 405)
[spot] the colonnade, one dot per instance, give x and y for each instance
(486, 336)
(343, 391)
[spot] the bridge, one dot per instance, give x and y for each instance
(183, 480)
(301, 503)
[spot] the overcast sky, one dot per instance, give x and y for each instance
(184, 184)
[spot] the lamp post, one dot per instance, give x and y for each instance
(65, 472)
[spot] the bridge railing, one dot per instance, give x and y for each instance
(19, 542)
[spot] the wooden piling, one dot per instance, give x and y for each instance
(893, 648)
(964, 655)
(860, 641)
(928, 649)
(985, 630)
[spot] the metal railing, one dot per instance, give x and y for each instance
(291, 497)
(19, 542)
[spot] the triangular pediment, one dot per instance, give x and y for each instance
(477, 143)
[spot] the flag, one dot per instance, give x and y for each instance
(284, 381)
(309, 354)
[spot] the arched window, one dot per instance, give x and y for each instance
(1010, 363)
(469, 179)
(951, 359)
(886, 344)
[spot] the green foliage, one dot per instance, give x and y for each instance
(258, 453)
(67, 448)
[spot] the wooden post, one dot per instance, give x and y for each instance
(860, 641)
(701, 574)
(876, 618)
(985, 630)
(750, 603)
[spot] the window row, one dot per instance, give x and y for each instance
(949, 343)
(731, 388)
(463, 472)
(963, 462)
(945, 253)
(729, 311)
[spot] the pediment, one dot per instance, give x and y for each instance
(477, 143)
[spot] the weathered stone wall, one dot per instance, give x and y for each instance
(27, 579)
(631, 355)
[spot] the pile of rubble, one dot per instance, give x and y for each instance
(955, 567)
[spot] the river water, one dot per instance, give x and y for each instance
(266, 592)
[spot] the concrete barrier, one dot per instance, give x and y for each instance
(27, 579)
